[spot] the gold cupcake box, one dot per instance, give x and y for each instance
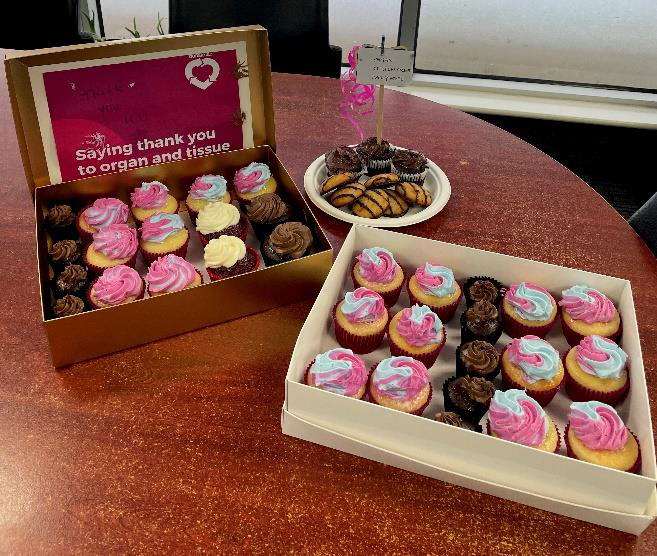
(93, 333)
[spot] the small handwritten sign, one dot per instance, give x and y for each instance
(393, 67)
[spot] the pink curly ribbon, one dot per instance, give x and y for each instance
(358, 98)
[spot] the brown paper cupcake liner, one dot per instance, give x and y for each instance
(580, 393)
(543, 397)
(427, 358)
(419, 411)
(636, 466)
(93, 305)
(462, 371)
(98, 270)
(468, 335)
(501, 290)
(473, 416)
(390, 297)
(243, 231)
(357, 344)
(556, 450)
(574, 338)
(516, 329)
(222, 273)
(305, 381)
(445, 312)
(152, 257)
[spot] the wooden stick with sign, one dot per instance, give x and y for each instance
(379, 107)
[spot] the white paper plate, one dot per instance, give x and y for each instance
(436, 182)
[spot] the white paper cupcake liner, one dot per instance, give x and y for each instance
(417, 178)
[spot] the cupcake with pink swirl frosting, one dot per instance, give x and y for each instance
(208, 188)
(516, 417)
(596, 434)
(163, 234)
(171, 273)
(151, 197)
(360, 320)
(400, 383)
(375, 268)
(527, 308)
(417, 332)
(253, 180)
(112, 245)
(434, 285)
(596, 369)
(530, 363)
(340, 371)
(100, 214)
(115, 286)
(585, 312)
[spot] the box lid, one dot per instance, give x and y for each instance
(93, 109)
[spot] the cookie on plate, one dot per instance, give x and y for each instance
(382, 180)
(414, 193)
(335, 181)
(397, 205)
(371, 204)
(347, 194)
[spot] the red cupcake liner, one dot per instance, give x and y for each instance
(543, 397)
(556, 450)
(574, 338)
(244, 231)
(419, 411)
(96, 306)
(357, 344)
(446, 312)
(636, 466)
(98, 270)
(218, 274)
(516, 329)
(305, 381)
(579, 393)
(389, 298)
(427, 358)
(85, 236)
(152, 257)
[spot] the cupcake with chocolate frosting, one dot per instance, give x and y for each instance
(67, 306)
(377, 156)
(477, 358)
(60, 221)
(343, 159)
(481, 322)
(452, 419)
(267, 211)
(482, 288)
(409, 165)
(71, 280)
(64, 253)
(288, 241)
(468, 396)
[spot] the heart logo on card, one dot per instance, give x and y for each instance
(198, 63)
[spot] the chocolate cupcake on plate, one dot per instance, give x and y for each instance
(288, 241)
(477, 358)
(376, 156)
(451, 418)
(72, 280)
(67, 306)
(266, 212)
(468, 396)
(482, 288)
(409, 165)
(63, 253)
(481, 322)
(344, 159)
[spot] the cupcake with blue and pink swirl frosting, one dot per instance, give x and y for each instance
(171, 273)
(596, 434)
(401, 383)
(253, 180)
(596, 369)
(586, 311)
(208, 188)
(112, 245)
(375, 268)
(434, 285)
(528, 308)
(340, 371)
(151, 197)
(417, 332)
(163, 234)
(360, 320)
(100, 214)
(516, 417)
(115, 286)
(532, 364)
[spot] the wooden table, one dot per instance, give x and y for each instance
(176, 445)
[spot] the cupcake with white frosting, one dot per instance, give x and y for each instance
(228, 256)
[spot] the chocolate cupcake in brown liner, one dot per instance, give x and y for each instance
(468, 397)
(63, 253)
(267, 211)
(483, 288)
(288, 241)
(453, 419)
(409, 165)
(477, 358)
(482, 321)
(72, 280)
(376, 156)
(344, 159)
(67, 306)
(60, 221)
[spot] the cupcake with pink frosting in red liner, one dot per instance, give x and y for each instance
(115, 286)
(113, 245)
(163, 234)
(253, 180)
(417, 332)
(206, 189)
(340, 371)
(151, 197)
(516, 417)
(360, 320)
(528, 309)
(376, 269)
(171, 273)
(585, 312)
(100, 214)
(400, 383)
(434, 285)
(596, 434)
